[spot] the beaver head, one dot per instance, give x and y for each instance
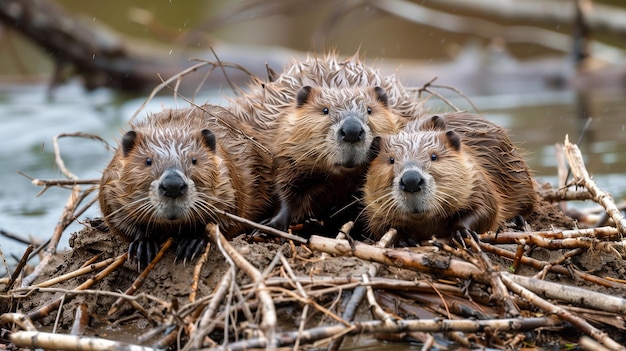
(165, 174)
(418, 179)
(335, 128)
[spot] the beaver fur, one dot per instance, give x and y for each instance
(321, 119)
(173, 170)
(445, 174)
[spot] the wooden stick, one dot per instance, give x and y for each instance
(141, 279)
(33, 339)
(45, 310)
(563, 314)
(269, 319)
(403, 258)
(575, 159)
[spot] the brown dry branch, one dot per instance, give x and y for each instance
(571, 294)
(207, 321)
(597, 15)
(177, 78)
(514, 237)
(74, 274)
(559, 269)
(499, 291)
(269, 319)
(196, 272)
(402, 325)
(292, 278)
(365, 290)
(58, 182)
(582, 177)
(417, 13)
(563, 314)
(263, 228)
(588, 343)
(556, 195)
(66, 218)
(69, 211)
(17, 318)
(35, 339)
(20, 266)
(46, 309)
(402, 257)
(141, 278)
(375, 282)
(566, 256)
(81, 320)
(427, 88)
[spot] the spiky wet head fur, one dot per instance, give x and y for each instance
(263, 102)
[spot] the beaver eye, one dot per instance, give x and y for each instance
(194, 161)
(433, 157)
(325, 110)
(392, 160)
(369, 110)
(148, 161)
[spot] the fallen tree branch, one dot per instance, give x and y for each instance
(575, 159)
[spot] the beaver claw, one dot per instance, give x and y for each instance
(190, 248)
(463, 233)
(143, 252)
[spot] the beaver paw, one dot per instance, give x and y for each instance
(143, 252)
(278, 222)
(190, 248)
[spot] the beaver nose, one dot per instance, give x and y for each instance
(352, 131)
(173, 185)
(411, 182)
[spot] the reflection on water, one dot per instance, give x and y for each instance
(29, 122)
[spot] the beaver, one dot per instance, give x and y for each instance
(321, 118)
(171, 173)
(325, 143)
(451, 174)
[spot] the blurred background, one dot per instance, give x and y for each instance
(541, 69)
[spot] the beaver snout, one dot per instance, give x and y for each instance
(352, 131)
(173, 185)
(411, 182)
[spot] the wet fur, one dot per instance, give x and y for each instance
(314, 173)
(478, 180)
(262, 104)
(230, 174)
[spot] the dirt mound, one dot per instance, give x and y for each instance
(311, 287)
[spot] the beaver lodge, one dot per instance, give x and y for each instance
(560, 283)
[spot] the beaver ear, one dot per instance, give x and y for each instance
(303, 96)
(128, 142)
(434, 123)
(438, 123)
(208, 138)
(454, 140)
(381, 96)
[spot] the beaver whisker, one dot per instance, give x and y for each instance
(204, 209)
(144, 201)
(210, 200)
